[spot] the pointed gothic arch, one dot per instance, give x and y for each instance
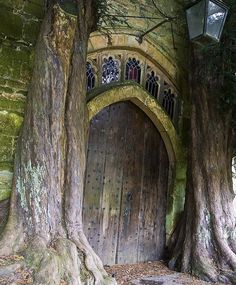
(140, 97)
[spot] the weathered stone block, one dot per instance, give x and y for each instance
(15, 85)
(5, 184)
(25, 72)
(3, 81)
(31, 31)
(17, 4)
(6, 166)
(6, 148)
(4, 89)
(12, 61)
(35, 8)
(12, 104)
(10, 123)
(11, 24)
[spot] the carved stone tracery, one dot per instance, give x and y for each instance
(119, 66)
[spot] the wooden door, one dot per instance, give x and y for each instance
(126, 185)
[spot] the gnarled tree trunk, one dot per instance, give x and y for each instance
(206, 243)
(45, 221)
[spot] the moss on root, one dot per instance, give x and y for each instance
(61, 261)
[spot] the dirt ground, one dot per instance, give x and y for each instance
(13, 271)
(124, 274)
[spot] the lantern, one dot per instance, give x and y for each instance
(69, 6)
(206, 19)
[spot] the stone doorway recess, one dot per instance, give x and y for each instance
(125, 194)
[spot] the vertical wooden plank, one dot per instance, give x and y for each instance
(92, 206)
(160, 232)
(147, 226)
(132, 170)
(153, 201)
(112, 183)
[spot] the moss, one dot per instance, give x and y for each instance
(5, 184)
(14, 84)
(5, 193)
(22, 92)
(16, 106)
(12, 61)
(85, 273)
(10, 123)
(3, 81)
(6, 148)
(177, 196)
(6, 166)
(17, 4)
(31, 31)
(25, 72)
(4, 89)
(35, 8)
(11, 24)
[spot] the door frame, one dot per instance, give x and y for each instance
(151, 107)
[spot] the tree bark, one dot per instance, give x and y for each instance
(4, 208)
(45, 220)
(206, 244)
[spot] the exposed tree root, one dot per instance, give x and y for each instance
(13, 270)
(12, 239)
(63, 260)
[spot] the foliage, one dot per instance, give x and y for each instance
(108, 19)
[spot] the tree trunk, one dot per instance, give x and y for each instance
(4, 208)
(45, 221)
(206, 243)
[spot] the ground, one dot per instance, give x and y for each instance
(14, 272)
(137, 274)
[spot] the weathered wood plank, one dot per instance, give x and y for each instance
(112, 184)
(132, 168)
(153, 202)
(93, 193)
(160, 232)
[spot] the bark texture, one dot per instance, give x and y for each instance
(45, 220)
(4, 207)
(206, 244)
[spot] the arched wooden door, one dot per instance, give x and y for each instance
(124, 205)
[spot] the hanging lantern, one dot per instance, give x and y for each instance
(69, 6)
(206, 19)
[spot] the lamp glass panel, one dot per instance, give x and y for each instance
(69, 6)
(195, 19)
(215, 20)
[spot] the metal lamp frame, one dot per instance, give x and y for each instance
(205, 35)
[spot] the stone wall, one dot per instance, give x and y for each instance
(20, 22)
(174, 46)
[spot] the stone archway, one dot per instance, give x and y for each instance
(137, 95)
